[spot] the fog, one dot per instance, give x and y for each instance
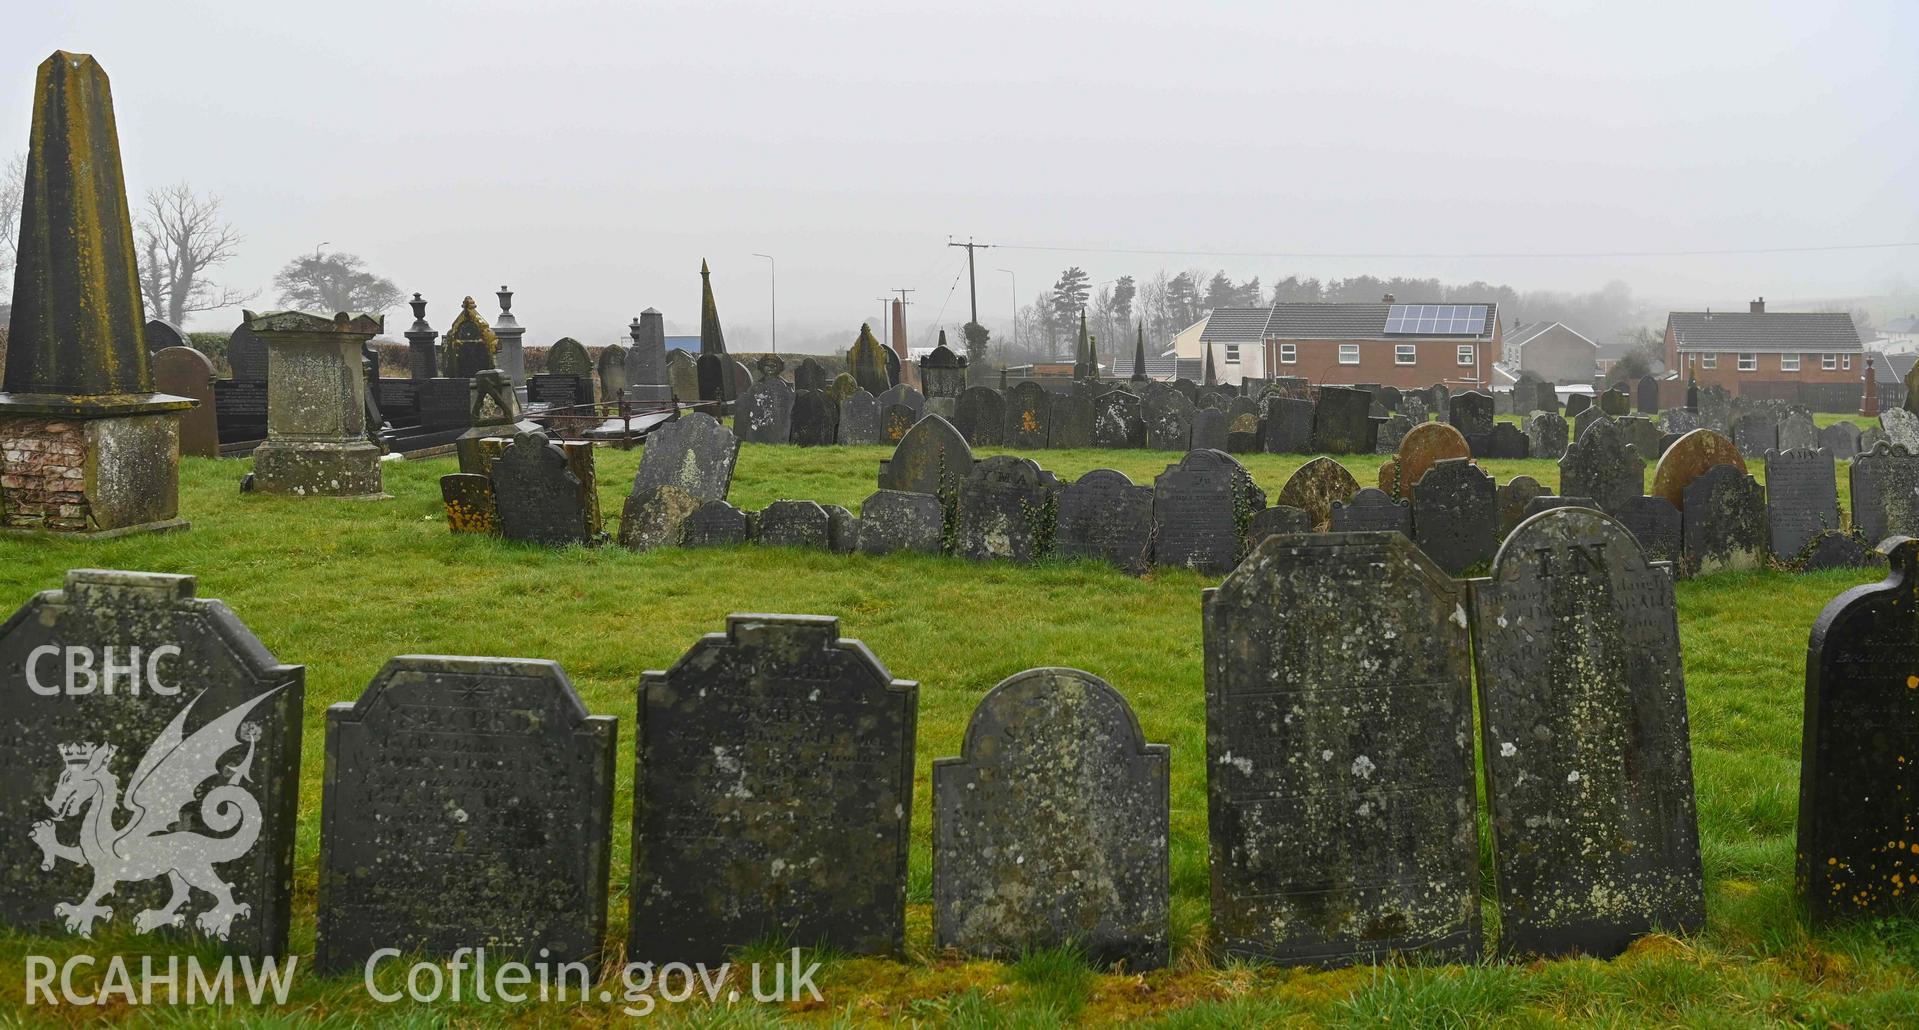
(591, 154)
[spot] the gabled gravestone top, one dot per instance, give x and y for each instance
(1595, 838)
(1104, 515)
(1007, 510)
(1051, 827)
(1372, 511)
(1199, 507)
(765, 414)
(1339, 754)
(1724, 522)
(1602, 465)
(773, 797)
(539, 494)
(715, 524)
(1342, 422)
(1882, 481)
(981, 416)
(1116, 420)
(1029, 412)
(468, 803)
(859, 419)
(1858, 781)
(127, 695)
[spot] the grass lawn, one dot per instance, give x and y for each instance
(340, 586)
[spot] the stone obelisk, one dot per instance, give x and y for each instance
(86, 446)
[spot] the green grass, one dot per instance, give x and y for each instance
(342, 585)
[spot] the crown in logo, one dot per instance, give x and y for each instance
(78, 754)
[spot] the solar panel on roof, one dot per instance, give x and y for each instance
(1437, 319)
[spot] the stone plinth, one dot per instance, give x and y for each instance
(108, 467)
(316, 407)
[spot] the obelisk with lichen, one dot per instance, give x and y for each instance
(86, 446)
(715, 368)
(867, 362)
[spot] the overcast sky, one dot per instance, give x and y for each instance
(590, 154)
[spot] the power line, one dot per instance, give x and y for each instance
(1402, 255)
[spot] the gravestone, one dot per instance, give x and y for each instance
(1391, 433)
(1655, 523)
(943, 372)
(809, 375)
(1832, 549)
(1723, 522)
(316, 442)
(765, 414)
(1797, 433)
(1008, 508)
(1072, 420)
(1439, 398)
(1586, 419)
(1882, 484)
(468, 803)
(1506, 441)
(694, 452)
(1577, 403)
(1870, 437)
(896, 520)
(468, 500)
(1342, 422)
(185, 372)
(1646, 395)
(1546, 435)
(1842, 439)
(1603, 466)
(1243, 434)
(1339, 760)
(1168, 415)
(981, 416)
(1028, 413)
(1755, 433)
(1424, 447)
(1372, 511)
(930, 459)
(900, 393)
(859, 419)
(1050, 828)
(1644, 434)
(1456, 514)
(1547, 502)
(815, 419)
(1116, 420)
(540, 495)
(1514, 495)
(1802, 498)
(612, 369)
(1901, 428)
(162, 334)
(1588, 757)
(773, 795)
(1289, 425)
(1209, 430)
(1314, 486)
(1715, 408)
(683, 375)
(1616, 402)
(1199, 506)
(795, 524)
(1858, 789)
(1415, 406)
(715, 524)
(149, 743)
(1103, 515)
(895, 421)
(1688, 459)
(1471, 413)
(1679, 421)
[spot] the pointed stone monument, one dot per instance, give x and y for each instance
(646, 376)
(867, 362)
(1139, 355)
(86, 446)
(1210, 378)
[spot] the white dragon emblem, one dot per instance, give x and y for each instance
(146, 846)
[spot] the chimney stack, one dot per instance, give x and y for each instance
(1758, 307)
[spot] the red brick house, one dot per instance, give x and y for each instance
(1393, 344)
(1788, 355)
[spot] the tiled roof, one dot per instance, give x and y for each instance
(1763, 331)
(1235, 325)
(1891, 367)
(1305, 320)
(1902, 324)
(1525, 334)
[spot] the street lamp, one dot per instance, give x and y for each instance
(773, 305)
(1015, 279)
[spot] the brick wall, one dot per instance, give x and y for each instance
(43, 474)
(1434, 361)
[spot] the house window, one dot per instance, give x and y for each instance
(1828, 362)
(1403, 354)
(1848, 362)
(1709, 361)
(1288, 353)
(1349, 353)
(1232, 354)
(1788, 362)
(1465, 353)
(1748, 362)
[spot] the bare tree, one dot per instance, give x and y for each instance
(13, 185)
(181, 237)
(335, 282)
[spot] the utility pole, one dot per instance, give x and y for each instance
(972, 285)
(886, 323)
(1015, 279)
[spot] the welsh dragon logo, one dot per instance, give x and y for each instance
(146, 845)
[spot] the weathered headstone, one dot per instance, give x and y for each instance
(468, 804)
(859, 419)
(1289, 425)
(1342, 422)
(1008, 507)
(1679, 420)
(1273, 521)
(1071, 424)
(1314, 486)
(1654, 522)
(1456, 515)
(185, 372)
(1050, 828)
(809, 374)
(1104, 515)
(1724, 522)
(1209, 430)
(1577, 403)
(1514, 495)
(1471, 413)
(1901, 427)
(1339, 759)
(1882, 484)
(981, 417)
(148, 744)
(1371, 511)
(1688, 459)
(1842, 439)
(316, 442)
(1546, 435)
(895, 421)
(815, 420)
(1797, 433)
(1244, 434)
(1588, 758)
(1116, 420)
(468, 500)
(683, 374)
(795, 524)
(540, 495)
(1425, 446)
(694, 452)
(1199, 507)
(1603, 466)
(773, 795)
(1832, 549)
(896, 520)
(1802, 498)
(1168, 415)
(1616, 402)
(1391, 433)
(1755, 433)
(765, 414)
(1029, 412)
(1646, 394)
(715, 523)
(931, 458)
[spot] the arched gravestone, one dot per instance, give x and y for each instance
(1339, 759)
(683, 375)
(1585, 420)
(765, 414)
(1755, 433)
(1071, 424)
(773, 795)
(694, 452)
(1187, 389)
(795, 524)
(1723, 522)
(1858, 781)
(1456, 515)
(1882, 484)
(892, 366)
(1199, 507)
(539, 494)
(900, 393)
(1104, 515)
(1802, 498)
(1168, 415)
(1654, 522)
(1690, 458)
(895, 421)
(809, 375)
(1028, 414)
(981, 416)
(1870, 437)
(859, 419)
(162, 334)
(185, 372)
(1842, 439)
(1797, 433)
(1050, 828)
(612, 368)
(1603, 466)
(1342, 421)
(1616, 401)
(1372, 511)
(1289, 425)
(930, 459)
(1423, 447)
(1007, 509)
(1471, 413)
(1901, 427)
(126, 694)
(1514, 495)
(1577, 403)
(715, 524)
(468, 803)
(1314, 486)
(1646, 394)
(1116, 420)
(1589, 768)
(895, 520)
(816, 420)
(1391, 433)
(1243, 434)
(1679, 421)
